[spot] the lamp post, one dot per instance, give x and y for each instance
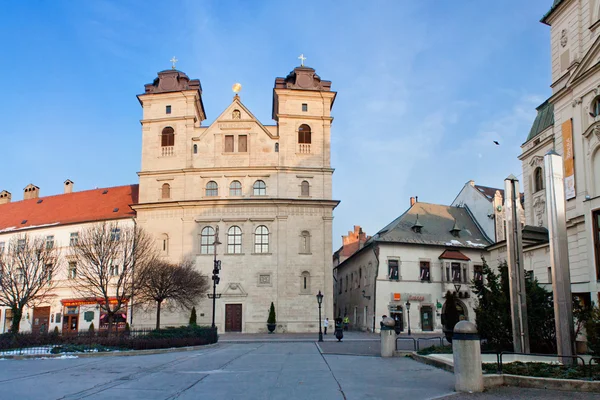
(408, 315)
(215, 276)
(320, 300)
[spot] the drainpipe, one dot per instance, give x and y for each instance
(375, 252)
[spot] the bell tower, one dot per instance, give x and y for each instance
(172, 108)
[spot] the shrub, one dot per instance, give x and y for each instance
(193, 317)
(91, 329)
(271, 319)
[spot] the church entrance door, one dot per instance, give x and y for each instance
(233, 317)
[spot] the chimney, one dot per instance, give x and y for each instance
(69, 186)
(413, 200)
(5, 197)
(31, 192)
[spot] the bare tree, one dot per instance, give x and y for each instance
(107, 256)
(26, 271)
(180, 284)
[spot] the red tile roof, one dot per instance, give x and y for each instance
(70, 208)
(454, 255)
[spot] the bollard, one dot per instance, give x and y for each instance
(388, 337)
(466, 352)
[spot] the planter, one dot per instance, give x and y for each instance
(271, 327)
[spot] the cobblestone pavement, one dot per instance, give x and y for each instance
(521, 393)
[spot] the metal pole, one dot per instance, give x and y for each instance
(559, 256)
(320, 331)
(408, 318)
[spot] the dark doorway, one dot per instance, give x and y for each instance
(41, 319)
(427, 318)
(233, 318)
(398, 316)
(596, 235)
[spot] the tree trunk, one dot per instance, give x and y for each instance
(16, 320)
(110, 323)
(158, 314)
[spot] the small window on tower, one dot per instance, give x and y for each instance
(304, 107)
(168, 110)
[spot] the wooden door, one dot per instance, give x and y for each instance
(233, 318)
(41, 319)
(427, 318)
(70, 323)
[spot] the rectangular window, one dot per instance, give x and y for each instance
(478, 273)
(49, 272)
(456, 272)
(49, 241)
(549, 274)
(2, 246)
(115, 235)
(464, 274)
(20, 245)
(168, 110)
(74, 239)
(72, 271)
(304, 107)
(393, 269)
(229, 144)
(425, 271)
(114, 270)
(447, 272)
(242, 143)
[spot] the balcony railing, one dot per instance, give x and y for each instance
(168, 151)
(304, 148)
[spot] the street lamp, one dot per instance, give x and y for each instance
(320, 300)
(215, 276)
(408, 317)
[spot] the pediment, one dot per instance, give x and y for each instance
(589, 61)
(234, 290)
(237, 117)
(536, 161)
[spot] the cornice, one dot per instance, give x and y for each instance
(236, 203)
(224, 171)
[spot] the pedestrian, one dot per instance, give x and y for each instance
(381, 322)
(346, 322)
(325, 325)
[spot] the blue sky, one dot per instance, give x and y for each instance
(424, 87)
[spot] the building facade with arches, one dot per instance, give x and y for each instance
(265, 190)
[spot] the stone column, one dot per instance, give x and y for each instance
(516, 272)
(559, 257)
(466, 351)
(388, 338)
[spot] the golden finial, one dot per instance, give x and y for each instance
(237, 87)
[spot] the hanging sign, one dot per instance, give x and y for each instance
(568, 158)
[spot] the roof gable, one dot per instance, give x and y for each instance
(70, 208)
(590, 60)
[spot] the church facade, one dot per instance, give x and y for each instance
(262, 191)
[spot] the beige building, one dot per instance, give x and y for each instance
(266, 190)
(416, 259)
(58, 220)
(568, 123)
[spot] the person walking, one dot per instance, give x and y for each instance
(346, 322)
(325, 325)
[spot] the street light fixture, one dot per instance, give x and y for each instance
(408, 317)
(215, 276)
(320, 301)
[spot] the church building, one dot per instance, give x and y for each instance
(262, 193)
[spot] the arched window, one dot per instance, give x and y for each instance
(164, 243)
(195, 149)
(305, 242)
(235, 188)
(304, 188)
(596, 173)
(165, 191)
(305, 282)
(234, 240)
(207, 240)
(167, 137)
(260, 188)
(304, 134)
(261, 239)
(212, 189)
(595, 107)
(538, 177)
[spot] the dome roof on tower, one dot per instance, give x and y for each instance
(172, 80)
(304, 78)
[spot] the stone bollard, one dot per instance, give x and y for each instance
(466, 350)
(388, 338)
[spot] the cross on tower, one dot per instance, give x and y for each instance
(173, 60)
(302, 59)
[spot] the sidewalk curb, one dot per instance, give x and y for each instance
(126, 353)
